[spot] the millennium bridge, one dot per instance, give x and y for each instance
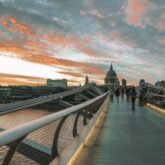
(84, 128)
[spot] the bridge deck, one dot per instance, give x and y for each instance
(129, 138)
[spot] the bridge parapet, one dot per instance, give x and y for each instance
(156, 99)
(42, 140)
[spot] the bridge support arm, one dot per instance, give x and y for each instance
(14, 145)
(64, 103)
(98, 90)
(91, 93)
(84, 97)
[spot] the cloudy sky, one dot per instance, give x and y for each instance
(70, 39)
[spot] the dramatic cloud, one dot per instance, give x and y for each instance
(72, 39)
(161, 26)
(11, 79)
(14, 25)
(135, 11)
(14, 50)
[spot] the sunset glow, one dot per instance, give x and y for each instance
(56, 39)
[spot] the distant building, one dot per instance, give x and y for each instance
(14, 93)
(141, 82)
(124, 82)
(111, 77)
(86, 80)
(160, 84)
(57, 83)
(45, 90)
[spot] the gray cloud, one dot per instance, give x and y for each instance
(104, 22)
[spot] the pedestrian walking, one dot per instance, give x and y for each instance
(127, 93)
(111, 94)
(117, 93)
(145, 96)
(133, 94)
(141, 97)
(122, 94)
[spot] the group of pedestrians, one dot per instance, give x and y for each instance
(115, 92)
(131, 95)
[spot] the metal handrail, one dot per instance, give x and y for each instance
(154, 87)
(157, 95)
(15, 133)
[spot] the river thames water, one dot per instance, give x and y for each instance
(14, 119)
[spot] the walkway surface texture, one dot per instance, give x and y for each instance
(129, 138)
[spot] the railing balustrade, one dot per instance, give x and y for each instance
(42, 140)
(156, 99)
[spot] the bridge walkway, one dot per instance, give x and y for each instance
(128, 138)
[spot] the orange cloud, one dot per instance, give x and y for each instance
(10, 47)
(89, 51)
(84, 67)
(5, 25)
(38, 49)
(79, 43)
(118, 36)
(135, 11)
(161, 26)
(74, 83)
(4, 75)
(12, 25)
(129, 79)
(47, 59)
(58, 39)
(68, 41)
(13, 79)
(73, 74)
(46, 42)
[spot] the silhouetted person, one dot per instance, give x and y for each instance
(117, 93)
(141, 97)
(122, 93)
(127, 93)
(133, 97)
(145, 96)
(111, 94)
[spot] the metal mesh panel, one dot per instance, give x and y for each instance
(20, 159)
(80, 125)
(66, 135)
(44, 135)
(3, 152)
(36, 147)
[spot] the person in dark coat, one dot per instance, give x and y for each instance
(122, 94)
(141, 97)
(111, 94)
(127, 93)
(133, 94)
(117, 93)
